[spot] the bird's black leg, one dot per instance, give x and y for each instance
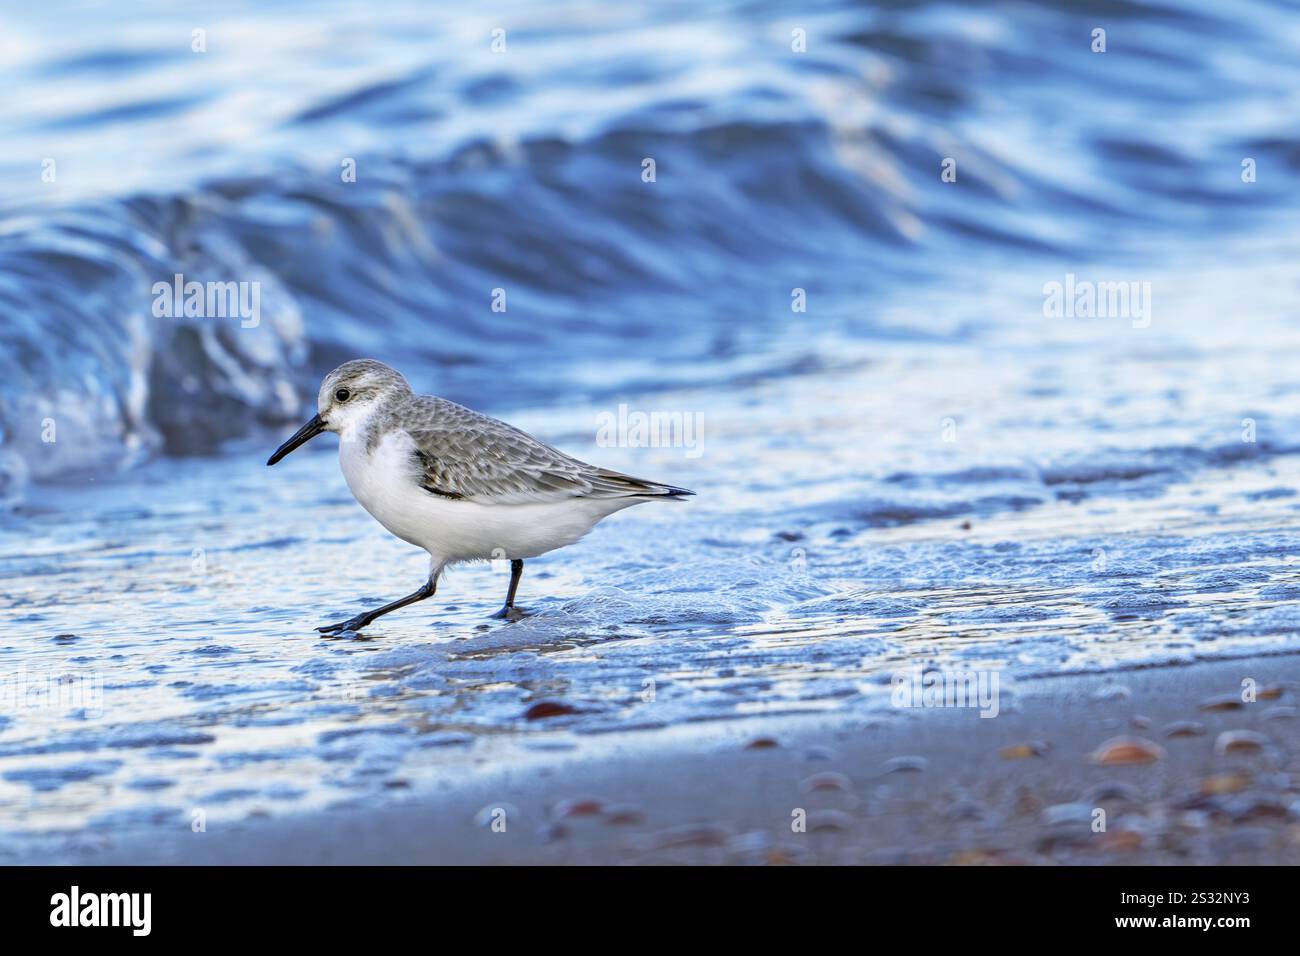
(362, 620)
(508, 612)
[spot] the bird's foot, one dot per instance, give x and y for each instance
(510, 613)
(351, 624)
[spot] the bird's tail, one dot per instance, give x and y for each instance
(617, 485)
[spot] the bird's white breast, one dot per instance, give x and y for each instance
(384, 481)
(381, 480)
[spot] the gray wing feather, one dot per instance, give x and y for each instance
(462, 455)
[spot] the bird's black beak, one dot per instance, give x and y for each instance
(300, 437)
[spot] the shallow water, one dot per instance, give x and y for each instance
(808, 571)
(922, 468)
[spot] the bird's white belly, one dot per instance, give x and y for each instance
(383, 481)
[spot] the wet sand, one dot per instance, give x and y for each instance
(929, 786)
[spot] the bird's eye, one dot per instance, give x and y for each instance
(342, 395)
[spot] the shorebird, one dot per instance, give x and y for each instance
(460, 485)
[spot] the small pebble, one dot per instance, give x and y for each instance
(907, 764)
(822, 821)
(1111, 791)
(1123, 751)
(1185, 728)
(1222, 702)
(1222, 783)
(1239, 742)
(548, 708)
(1203, 802)
(762, 743)
(1030, 748)
(568, 809)
(1259, 807)
(826, 781)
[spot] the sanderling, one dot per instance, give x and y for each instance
(462, 486)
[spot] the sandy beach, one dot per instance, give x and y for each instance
(942, 786)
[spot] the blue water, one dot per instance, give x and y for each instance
(922, 466)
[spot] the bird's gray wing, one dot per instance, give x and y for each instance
(462, 455)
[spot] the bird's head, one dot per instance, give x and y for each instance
(347, 397)
(350, 393)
